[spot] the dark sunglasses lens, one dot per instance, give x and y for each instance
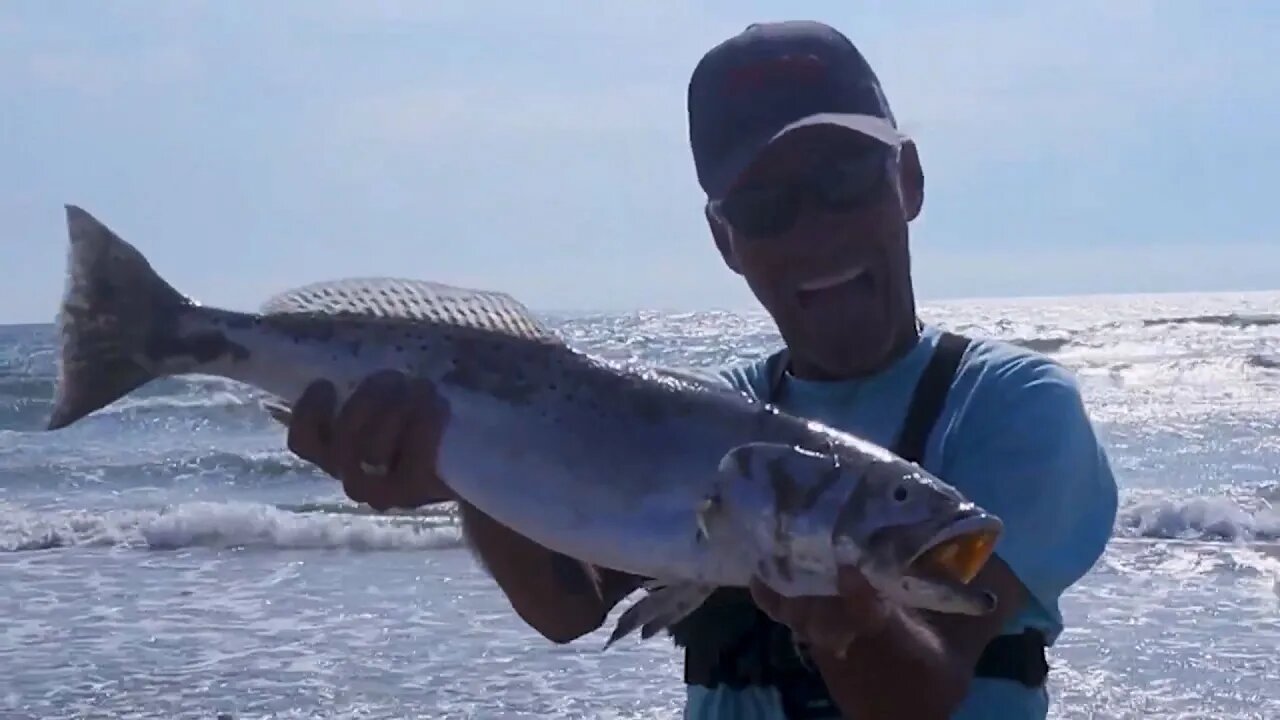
(760, 213)
(846, 184)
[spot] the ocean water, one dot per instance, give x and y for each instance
(168, 558)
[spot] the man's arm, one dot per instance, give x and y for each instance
(562, 598)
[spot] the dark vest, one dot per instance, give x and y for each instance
(728, 641)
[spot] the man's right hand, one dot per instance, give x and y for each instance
(392, 426)
(382, 442)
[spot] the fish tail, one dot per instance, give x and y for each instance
(116, 311)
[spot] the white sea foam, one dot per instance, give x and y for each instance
(221, 525)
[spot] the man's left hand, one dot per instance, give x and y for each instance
(828, 623)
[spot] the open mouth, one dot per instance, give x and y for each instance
(829, 281)
(959, 552)
(857, 278)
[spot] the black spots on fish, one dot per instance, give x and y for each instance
(483, 366)
(303, 327)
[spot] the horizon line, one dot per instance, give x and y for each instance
(923, 302)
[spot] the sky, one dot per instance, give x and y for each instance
(541, 148)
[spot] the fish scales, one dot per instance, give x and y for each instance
(657, 473)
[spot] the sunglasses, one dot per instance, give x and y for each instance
(838, 185)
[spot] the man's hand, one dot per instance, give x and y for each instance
(874, 659)
(830, 623)
(382, 444)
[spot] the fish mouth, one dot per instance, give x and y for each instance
(958, 552)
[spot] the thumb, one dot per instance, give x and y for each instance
(861, 599)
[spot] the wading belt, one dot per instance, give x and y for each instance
(762, 654)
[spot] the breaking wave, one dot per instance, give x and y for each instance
(1236, 320)
(223, 525)
(1210, 519)
(1047, 345)
(338, 526)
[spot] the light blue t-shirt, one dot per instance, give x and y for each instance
(1014, 437)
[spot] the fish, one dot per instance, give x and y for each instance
(663, 473)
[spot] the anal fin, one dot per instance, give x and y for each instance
(661, 608)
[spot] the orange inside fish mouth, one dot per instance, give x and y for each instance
(957, 557)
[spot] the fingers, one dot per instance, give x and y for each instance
(311, 427)
(798, 613)
(382, 433)
(365, 434)
(382, 443)
(406, 441)
(829, 622)
(861, 599)
(420, 445)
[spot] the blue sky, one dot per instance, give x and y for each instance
(540, 148)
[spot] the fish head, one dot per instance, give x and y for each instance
(915, 538)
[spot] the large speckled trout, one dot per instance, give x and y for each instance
(656, 473)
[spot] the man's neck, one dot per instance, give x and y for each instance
(905, 340)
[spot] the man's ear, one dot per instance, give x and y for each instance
(911, 176)
(724, 242)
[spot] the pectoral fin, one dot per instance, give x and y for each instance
(661, 608)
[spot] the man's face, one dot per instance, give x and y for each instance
(836, 278)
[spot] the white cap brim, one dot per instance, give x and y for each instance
(869, 125)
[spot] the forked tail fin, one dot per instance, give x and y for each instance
(116, 311)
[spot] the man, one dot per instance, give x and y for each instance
(810, 190)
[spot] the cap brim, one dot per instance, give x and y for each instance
(872, 126)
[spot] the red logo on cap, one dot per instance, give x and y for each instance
(792, 68)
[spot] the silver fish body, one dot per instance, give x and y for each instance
(655, 473)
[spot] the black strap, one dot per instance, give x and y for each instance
(930, 396)
(1020, 658)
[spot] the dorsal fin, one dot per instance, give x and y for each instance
(403, 299)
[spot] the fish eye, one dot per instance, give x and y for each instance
(900, 493)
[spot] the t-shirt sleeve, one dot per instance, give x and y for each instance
(1029, 453)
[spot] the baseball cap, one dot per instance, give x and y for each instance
(773, 78)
